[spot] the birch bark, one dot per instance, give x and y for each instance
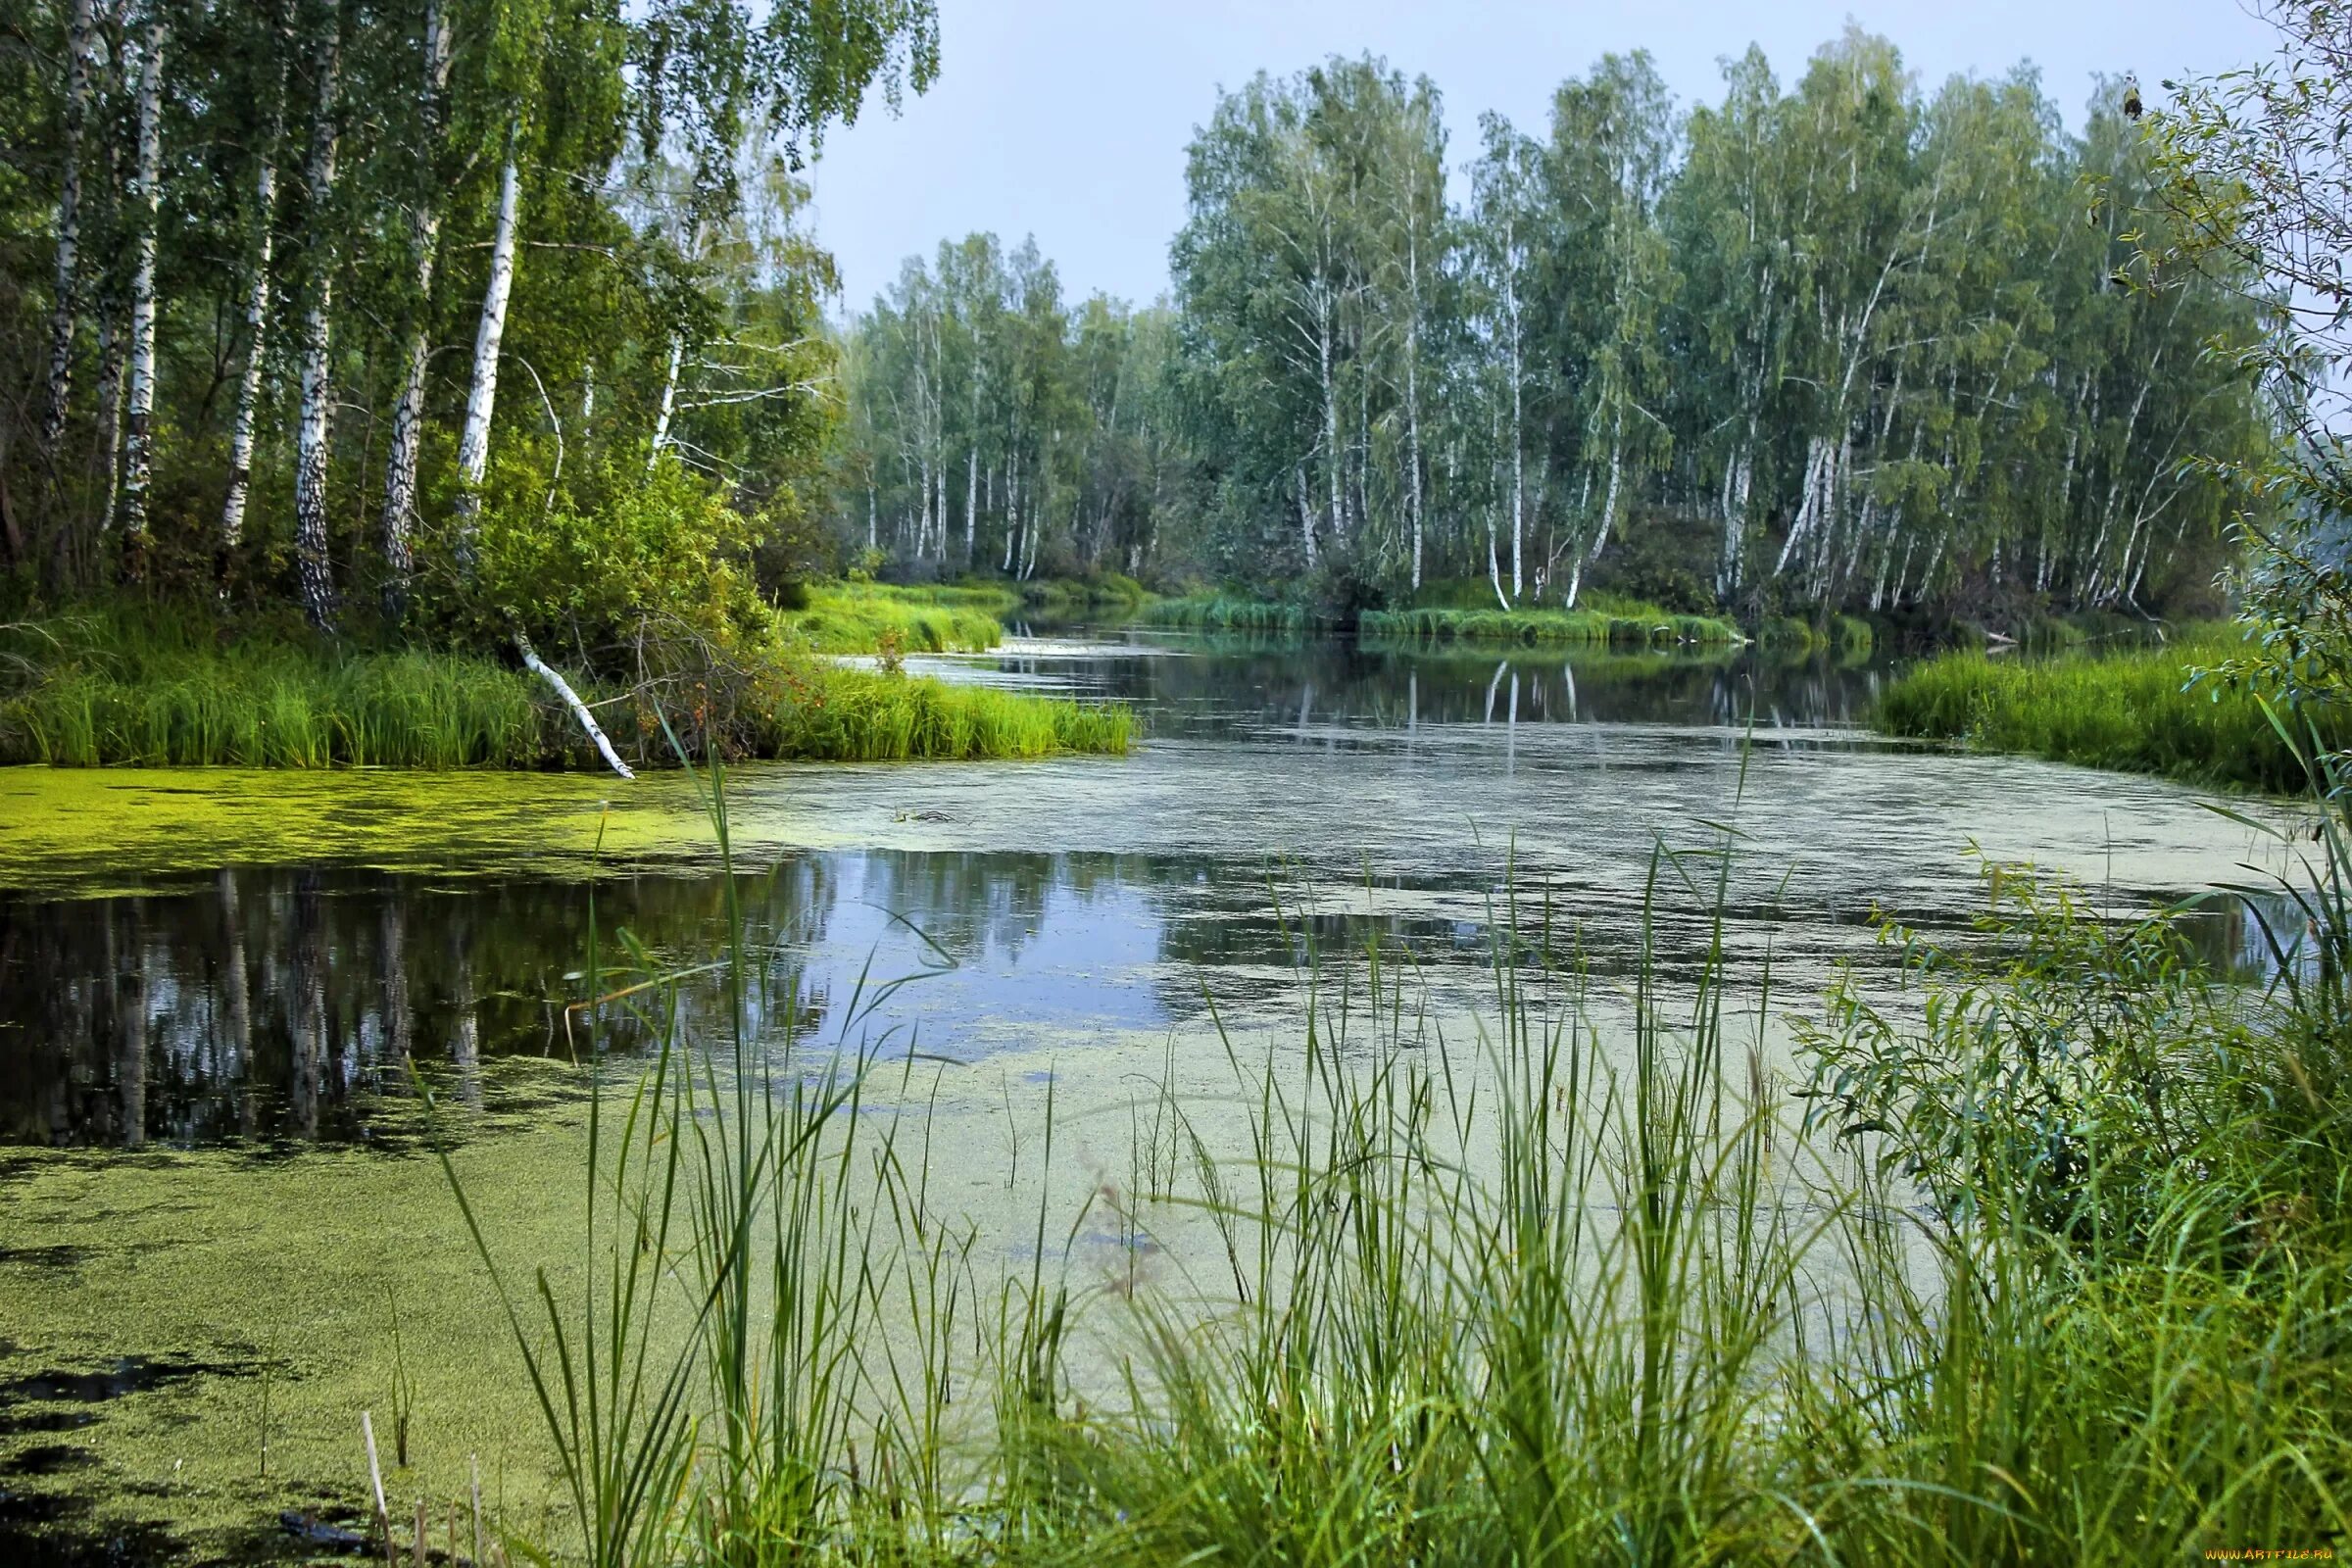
(399, 516)
(311, 428)
(78, 30)
(481, 397)
(138, 467)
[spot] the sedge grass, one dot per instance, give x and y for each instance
(169, 692)
(1521, 1290)
(2134, 709)
(1621, 624)
(1218, 613)
(874, 617)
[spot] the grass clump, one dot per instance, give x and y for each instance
(1111, 591)
(1218, 613)
(846, 715)
(877, 618)
(1604, 621)
(2135, 710)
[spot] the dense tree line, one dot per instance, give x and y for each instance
(1840, 343)
(393, 305)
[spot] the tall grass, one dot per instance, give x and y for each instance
(1619, 623)
(2130, 708)
(1111, 591)
(115, 692)
(1218, 613)
(159, 692)
(872, 617)
(859, 716)
(1521, 1290)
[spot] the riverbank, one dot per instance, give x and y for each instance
(182, 691)
(2130, 708)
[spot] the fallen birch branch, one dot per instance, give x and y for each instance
(571, 700)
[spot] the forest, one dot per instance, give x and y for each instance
(1846, 344)
(430, 318)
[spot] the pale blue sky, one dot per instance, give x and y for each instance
(1067, 119)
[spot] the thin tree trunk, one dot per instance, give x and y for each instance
(311, 429)
(571, 700)
(257, 323)
(139, 443)
(972, 505)
(69, 229)
(107, 455)
(481, 397)
(1412, 393)
(669, 402)
(398, 522)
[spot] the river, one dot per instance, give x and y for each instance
(221, 991)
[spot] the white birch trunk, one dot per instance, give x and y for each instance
(109, 454)
(669, 402)
(1412, 392)
(256, 328)
(481, 397)
(571, 700)
(311, 427)
(68, 227)
(407, 410)
(138, 467)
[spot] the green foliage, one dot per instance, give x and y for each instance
(2066, 1072)
(2138, 708)
(659, 556)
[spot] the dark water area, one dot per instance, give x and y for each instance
(1294, 798)
(1211, 684)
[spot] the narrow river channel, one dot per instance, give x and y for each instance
(211, 1042)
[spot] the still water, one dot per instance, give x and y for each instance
(269, 961)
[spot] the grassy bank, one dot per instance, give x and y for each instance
(2130, 708)
(874, 617)
(175, 692)
(1220, 612)
(1605, 622)
(1532, 1291)
(1112, 591)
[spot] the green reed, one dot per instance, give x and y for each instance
(869, 617)
(180, 690)
(1528, 1287)
(1222, 614)
(2133, 708)
(1624, 623)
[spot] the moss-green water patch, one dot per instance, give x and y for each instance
(272, 1284)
